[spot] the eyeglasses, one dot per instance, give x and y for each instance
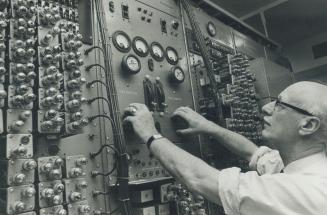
(278, 102)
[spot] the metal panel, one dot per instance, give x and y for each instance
(248, 46)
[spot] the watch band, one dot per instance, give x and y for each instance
(152, 138)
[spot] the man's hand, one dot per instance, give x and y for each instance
(141, 119)
(197, 123)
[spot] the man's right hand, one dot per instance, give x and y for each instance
(197, 123)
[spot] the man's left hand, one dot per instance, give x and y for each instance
(141, 120)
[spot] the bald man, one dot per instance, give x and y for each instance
(294, 124)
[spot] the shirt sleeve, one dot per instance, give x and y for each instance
(266, 161)
(277, 194)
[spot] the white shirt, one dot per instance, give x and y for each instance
(300, 190)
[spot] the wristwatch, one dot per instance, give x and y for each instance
(152, 138)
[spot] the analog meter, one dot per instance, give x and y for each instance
(121, 41)
(140, 46)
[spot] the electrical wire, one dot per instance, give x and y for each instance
(96, 173)
(91, 118)
(87, 51)
(89, 67)
(90, 101)
(206, 57)
(89, 84)
(94, 154)
(122, 169)
(96, 193)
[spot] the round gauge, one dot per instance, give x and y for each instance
(121, 41)
(157, 51)
(211, 28)
(140, 46)
(177, 75)
(171, 55)
(131, 64)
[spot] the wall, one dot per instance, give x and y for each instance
(301, 54)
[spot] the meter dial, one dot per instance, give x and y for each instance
(140, 46)
(131, 64)
(157, 51)
(121, 41)
(171, 55)
(211, 28)
(177, 75)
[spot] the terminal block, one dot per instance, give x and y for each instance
(16, 146)
(75, 190)
(19, 121)
(17, 172)
(163, 209)
(50, 168)
(144, 166)
(16, 200)
(55, 210)
(50, 121)
(79, 208)
(20, 97)
(76, 166)
(50, 193)
(22, 73)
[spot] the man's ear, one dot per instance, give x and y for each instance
(309, 125)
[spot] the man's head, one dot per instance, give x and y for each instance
(300, 116)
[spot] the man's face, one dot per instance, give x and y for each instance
(280, 124)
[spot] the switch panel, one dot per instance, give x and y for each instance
(79, 208)
(17, 172)
(19, 121)
(75, 190)
(51, 193)
(55, 210)
(142, 196)
(18, 199)
(17, 146)
(50, 168)
(163, 209)
(76, 166)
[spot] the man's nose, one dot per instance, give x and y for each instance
(268, 108)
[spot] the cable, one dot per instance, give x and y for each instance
(96, 193)
(107, 213)
(89, 67)
(119, 139)
(90, 101)
(94, 154)
(88, 85)
(91, 118)
(87, 51)
(205, 54)
(96, 173)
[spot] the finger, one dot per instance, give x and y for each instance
(182, 114)
(129, 119)
(128, 109)
(183, 109)
(187, 131)
(137, 105)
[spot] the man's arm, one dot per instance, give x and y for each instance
(198, 176)
(234, 142)
(191, 171)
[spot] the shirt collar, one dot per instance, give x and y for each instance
(315, 163)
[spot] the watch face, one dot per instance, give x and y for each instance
(157, 136)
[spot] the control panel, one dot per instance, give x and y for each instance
(69, 68)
